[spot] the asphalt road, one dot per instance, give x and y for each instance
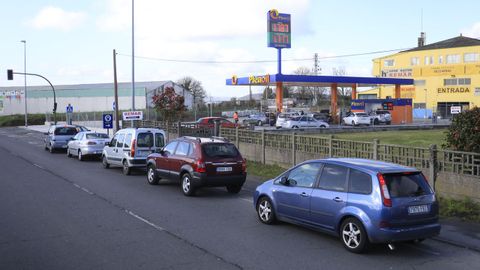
(60, 213)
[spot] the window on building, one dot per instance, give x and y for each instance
(471, 57)
(449, 82)
(389, 63)
(440, 59)
(414, 61)
(477, 91)
(428, 60)
(453, 59)
(464, 81)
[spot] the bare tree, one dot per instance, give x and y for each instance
(344, 92)
(196, 88)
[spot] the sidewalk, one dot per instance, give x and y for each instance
(95, 127)
(464, 234)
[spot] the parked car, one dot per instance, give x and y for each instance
(304, 122)
(198, 162)
(381, 117)
(283, 117)
(361, 201)
(58, 136)
(210, 122)
(258, 119)
(357, 118)
(87, 143)
(130, 147)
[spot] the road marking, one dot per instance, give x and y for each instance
(247, 200)
(83, 189)
(144, 220)
(36, 165)
(426, 250)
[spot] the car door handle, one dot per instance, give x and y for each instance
(303, 194)
(337, 199)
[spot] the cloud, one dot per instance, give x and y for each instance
(473, 31)
(57, 18)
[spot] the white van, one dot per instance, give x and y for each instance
(284, 117)
(130, 147)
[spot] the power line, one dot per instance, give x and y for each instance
(257, 61)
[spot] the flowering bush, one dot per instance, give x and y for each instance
(170, 105)
(464, 132)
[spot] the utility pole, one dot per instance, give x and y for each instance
(25, 78)
(133, 56)
(115, 87)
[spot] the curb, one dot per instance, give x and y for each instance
(455, 243)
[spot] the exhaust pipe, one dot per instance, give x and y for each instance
(391, 246)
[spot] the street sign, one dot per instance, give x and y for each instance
(107, 121)
(133, 115)
(455, 109)
(113, 105)
(69, 108)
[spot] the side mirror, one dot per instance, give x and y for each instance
(284, 181)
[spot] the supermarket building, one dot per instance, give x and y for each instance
(445, 73)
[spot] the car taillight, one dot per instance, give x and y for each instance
(132, 148)
(200, 166)
(244, 165)
(384, 190)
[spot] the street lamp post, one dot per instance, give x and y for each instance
(25, 78)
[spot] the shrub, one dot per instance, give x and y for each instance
(464, 132)
(19, 120)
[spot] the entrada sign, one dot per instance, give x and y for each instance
(448, 90)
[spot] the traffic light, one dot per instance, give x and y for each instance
(10, 74)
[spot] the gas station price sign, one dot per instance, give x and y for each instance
(278, 29)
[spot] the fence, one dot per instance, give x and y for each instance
(450, 167)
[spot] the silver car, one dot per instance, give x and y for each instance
(87, 143)
(58, 136)
(304, 122)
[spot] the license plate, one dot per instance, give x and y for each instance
(64, 146)
(418, 209)
(224, 169)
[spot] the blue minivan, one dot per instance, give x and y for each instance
(361, 201)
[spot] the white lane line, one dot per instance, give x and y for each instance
(36, 165)
(247, 200)
(83, 189)
(144, 220)
(426, 251)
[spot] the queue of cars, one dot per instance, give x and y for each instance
(360, 201)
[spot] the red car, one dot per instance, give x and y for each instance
(199, 162)
(209, 122)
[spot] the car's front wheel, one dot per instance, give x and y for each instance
(187, 188)
(80, 155)
(105, 162)
(265, 211)
(68, 153)
(353, 235)
(152, 175)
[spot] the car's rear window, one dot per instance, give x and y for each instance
(220, 150)
(362, 114)
(97, 136)
(145, 139)
(66, 131)
(407, 185)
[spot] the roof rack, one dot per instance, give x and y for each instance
(220, 138)
(192, 138)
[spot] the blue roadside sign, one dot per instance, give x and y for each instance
(69, 108)
(107, 121)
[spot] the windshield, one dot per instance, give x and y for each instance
(97, 136)
(64, 131)
(220, 150)
(407, 185)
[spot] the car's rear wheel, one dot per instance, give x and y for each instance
(322, 126)
(125, 168)
(376, 122)
(265, 211)
(388, 122)
(152, 176)
(187, 188)
(295, 127)
(234, 189)
(353, 123)
(105, 162)
(80, 155)
(353, 235)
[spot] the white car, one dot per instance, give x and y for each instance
(304, 122)
(283, 117)
(357, 118)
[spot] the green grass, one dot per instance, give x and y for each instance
(264, 171)
(465, 209)
(415, 138)
(19, 120)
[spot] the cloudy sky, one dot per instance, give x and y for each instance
(71, 41)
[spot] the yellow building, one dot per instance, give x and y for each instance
(446, 74)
